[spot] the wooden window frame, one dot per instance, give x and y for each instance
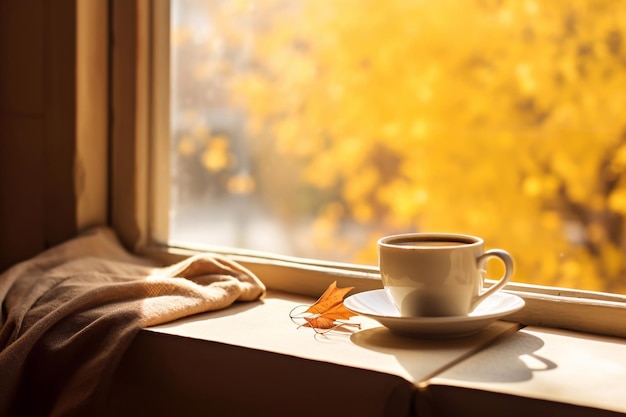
(140, 200)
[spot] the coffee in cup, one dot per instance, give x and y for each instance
(438, 274)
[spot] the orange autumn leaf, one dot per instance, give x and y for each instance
(327, 319)
(328, 308)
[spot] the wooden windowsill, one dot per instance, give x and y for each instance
(251, 359)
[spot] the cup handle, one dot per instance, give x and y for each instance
(508, 273)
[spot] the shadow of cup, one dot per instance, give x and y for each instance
(508, 359)
(512, 359)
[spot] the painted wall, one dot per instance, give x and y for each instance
(51, 182)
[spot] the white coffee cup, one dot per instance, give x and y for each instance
(438, 274)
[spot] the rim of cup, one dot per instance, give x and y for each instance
(401, 240)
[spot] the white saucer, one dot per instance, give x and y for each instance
(377, 305)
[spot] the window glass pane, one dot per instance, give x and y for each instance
(311, 128)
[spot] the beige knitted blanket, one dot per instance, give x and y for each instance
(69, 314)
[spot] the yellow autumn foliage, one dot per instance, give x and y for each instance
(503, 119)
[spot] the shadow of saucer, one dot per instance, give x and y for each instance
(383, 340)
(484, 356)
